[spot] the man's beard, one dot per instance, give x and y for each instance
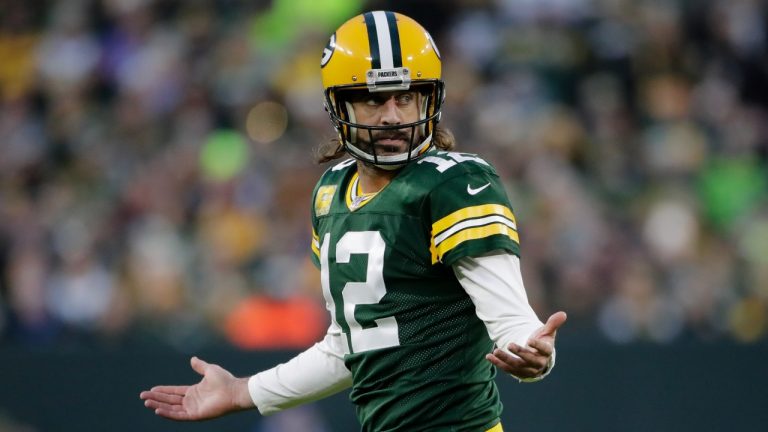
(381, 149)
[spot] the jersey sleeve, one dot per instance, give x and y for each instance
(322, 200)
(470, 215)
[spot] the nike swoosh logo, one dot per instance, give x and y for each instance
(478, 190)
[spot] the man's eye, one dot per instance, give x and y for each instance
(405, 98)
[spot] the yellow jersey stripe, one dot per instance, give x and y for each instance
(355, 198)
(315, 243)
(472, 234)
(351, 190)
(496, 428)
(472, 223)
(471, 212)
(315, 248)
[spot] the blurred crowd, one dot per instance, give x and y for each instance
(156, 162)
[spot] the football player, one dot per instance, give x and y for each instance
(418, 252)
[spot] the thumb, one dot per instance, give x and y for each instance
(554, 322)
(198, 365)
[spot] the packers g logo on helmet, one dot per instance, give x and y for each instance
(328, 50)
(382, 51)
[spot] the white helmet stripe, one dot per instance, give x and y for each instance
(384, 39)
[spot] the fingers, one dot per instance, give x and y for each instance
(507, 365)
(531, 358)
(174, 412)
(166, 405)
(542, 346)
(521, 361)
(554, 322)
(157, 405)
(511, 365)
(174, 415)
(166, 401)
(180, 390)
(198, 365)
(507, 358)
(168, 398)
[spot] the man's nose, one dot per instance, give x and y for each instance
(390, 114)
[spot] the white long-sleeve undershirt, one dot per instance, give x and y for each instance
(493, 282)
(311, 375)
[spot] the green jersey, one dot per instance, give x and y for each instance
(413, 342)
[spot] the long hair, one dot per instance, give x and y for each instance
(333, 149)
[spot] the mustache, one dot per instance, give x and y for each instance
(393, 135)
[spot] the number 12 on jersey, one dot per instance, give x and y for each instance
(369, 291)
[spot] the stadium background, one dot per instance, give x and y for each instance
(155, 173)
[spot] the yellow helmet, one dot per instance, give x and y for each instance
(382, 52)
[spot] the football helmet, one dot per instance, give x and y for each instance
(382, 51)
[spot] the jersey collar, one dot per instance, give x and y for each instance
(354, 196)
